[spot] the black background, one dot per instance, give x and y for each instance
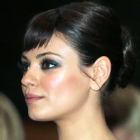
(14, 16)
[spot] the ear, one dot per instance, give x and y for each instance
(100, 72)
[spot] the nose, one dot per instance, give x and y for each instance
(30, 79)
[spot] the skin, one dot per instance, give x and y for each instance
(70, 98)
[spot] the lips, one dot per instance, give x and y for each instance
(31, 98)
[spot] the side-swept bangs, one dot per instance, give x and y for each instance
(40, 30)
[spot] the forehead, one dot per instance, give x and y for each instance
(56, 45)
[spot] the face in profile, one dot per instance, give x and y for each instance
(53, 85)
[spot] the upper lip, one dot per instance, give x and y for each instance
(30, 95)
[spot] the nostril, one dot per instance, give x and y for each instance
(29, 81)
(30, 84)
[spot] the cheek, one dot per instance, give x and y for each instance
(61, 83)
(65, 92)
(53, 81)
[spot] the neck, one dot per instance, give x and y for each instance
(86, 126)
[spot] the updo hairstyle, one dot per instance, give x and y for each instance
(92, 30)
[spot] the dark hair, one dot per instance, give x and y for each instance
(93, 31)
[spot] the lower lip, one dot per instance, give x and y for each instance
(32, 100)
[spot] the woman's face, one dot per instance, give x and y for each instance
(53, 85)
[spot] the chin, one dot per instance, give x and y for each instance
(38, 116)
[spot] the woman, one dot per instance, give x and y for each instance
(74, 56)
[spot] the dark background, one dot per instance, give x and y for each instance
(14, 16)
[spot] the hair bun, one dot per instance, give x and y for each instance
(129, 61)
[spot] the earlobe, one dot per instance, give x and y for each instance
(101, 70)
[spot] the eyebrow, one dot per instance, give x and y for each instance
(41, 55)
(24, 57)
(47, 53)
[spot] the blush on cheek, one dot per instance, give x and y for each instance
(53, 81)
(65, 82)
(61, 80)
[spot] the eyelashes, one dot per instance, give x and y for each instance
(49, 64)
(46, 64)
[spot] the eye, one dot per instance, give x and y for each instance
(49, 64)
(23, 66)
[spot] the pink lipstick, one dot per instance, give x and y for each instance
(31, 98)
